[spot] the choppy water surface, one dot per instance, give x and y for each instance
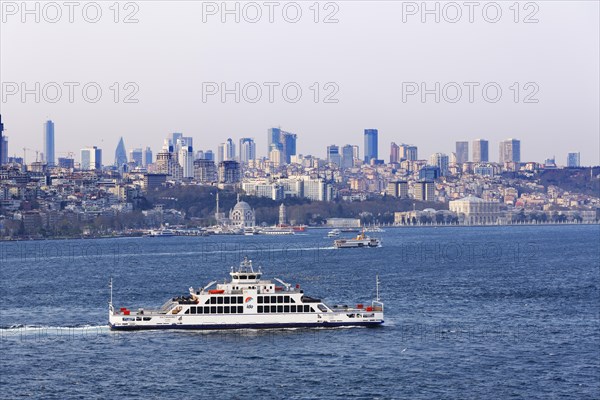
(493, 312)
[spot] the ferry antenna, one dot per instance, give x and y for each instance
(110, 285)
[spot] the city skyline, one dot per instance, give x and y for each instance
(566, 111)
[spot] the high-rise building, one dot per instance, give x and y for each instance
(221, 153)
(440, 160)
(91, 158)
(136, 156)
(229, 150)
(66, 163)
(229, 171)
(276, 156)
(348, 156)
(462, 152)
(49, 143)
(573, 160)
(147, 157)
(333, 155)
(186, 161)
(480, 150)
(371, 145)
(510, 151)
(408, 152)
(120, 154)
(394, 153)
(205, 171)
(424, 191)
(284, 141)
(356, 152)
(3, 150)
(247, 150)
(209, 155)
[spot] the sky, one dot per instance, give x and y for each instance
(493, 71)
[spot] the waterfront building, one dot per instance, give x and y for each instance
(424, 191)
(473, 210)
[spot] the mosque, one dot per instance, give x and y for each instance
(240, 216)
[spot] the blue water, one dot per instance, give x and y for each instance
(495, 312)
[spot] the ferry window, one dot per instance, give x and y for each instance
(206, 310)
(220, 300)
(279, 308)
(306, 308)
(313, 309)
(235, 276)
(226, 309)
(147, 318)
(220, 310)
(259, 309)
(251, 277)
(293, 308)
(226, 299)
(187, 311)
(242, 276)
(273, 309)
(233, 300)
(213, 300)
(213, 309)
(240, 300)
(232, 309)
(200, 310)
(286, 299)
(193, 309)
(273, 299)
(280, 299)
(292, 300)
(286, 308)
(259, 300)
(240, 309)
(266, 309)
(267, 299)
(207, 301)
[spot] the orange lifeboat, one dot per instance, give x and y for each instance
(216, 291)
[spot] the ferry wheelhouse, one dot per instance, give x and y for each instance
(247, 301)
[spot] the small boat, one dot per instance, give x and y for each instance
(374, 229)
(350, 230)
(361, 240)
(276, 231)
(161, 232)
(333, 233)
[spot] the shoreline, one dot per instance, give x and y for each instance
(316, 228)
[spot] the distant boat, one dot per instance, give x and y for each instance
(161, 232)
(350, 230)
(275, 230)
(375, 229)
(333, 233)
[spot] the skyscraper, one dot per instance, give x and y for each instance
(229, 151)
(394, 153)
(573, 160)
(333, 155)
(147, 157)
(136, 156)
(91, 158)
(49, 143)
(220, 153)
(370, 144)
(186, 161)
(348, 156)
(462, 152)
(120, 154)
(284, 141)
(510, 151)
(480, 150)
(440, 160)
(408, 152)
(247, 150)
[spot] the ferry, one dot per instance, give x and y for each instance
(361, 240)
(245, 302)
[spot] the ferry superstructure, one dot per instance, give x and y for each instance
(246, 302)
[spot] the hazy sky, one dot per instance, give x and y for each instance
(372, 54)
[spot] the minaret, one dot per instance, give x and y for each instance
(217, 216)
